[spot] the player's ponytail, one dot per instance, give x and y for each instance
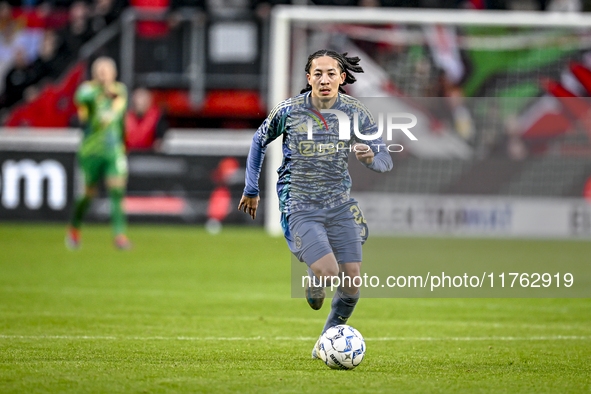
(348, 65)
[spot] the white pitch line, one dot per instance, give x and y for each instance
(540, 338)
(259, 338)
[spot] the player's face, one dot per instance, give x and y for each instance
(105, 73)
(325, 77)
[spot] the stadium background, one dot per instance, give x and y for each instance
(502, 121)
(507, 137)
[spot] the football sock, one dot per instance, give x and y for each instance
(80, 208)
(314, 280)
(341, 308)
(117, 216)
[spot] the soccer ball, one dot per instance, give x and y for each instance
(342, 347)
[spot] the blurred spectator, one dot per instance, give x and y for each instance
(78, 31)
(145, 124)
(16, 80)
(160, 40)
(105, 12)
(11, 41)
(48, 63)
(5, 14)
(32, 22)
(24, 74)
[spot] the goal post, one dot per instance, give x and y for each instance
(283, 62)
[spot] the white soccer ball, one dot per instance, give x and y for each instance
(342, 347)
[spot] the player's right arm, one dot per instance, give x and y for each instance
(271, 128)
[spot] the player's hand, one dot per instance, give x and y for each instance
(249, 205)
(363, 153)
(110, 90)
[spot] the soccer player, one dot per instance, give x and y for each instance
(101, 106)
(322, 224)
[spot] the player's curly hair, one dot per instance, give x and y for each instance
(348, 65)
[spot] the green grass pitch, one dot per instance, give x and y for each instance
(185, 311)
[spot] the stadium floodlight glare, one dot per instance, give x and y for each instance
(287, 19)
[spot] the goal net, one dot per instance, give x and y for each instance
(481, 81)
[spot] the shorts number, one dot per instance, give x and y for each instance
(358, 214)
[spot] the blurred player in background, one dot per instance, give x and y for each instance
(322, 224)
(101, 106)
(220, 199)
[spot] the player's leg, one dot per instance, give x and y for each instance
(308, 241)
(116, 182)
(81, 206)
(116, 191)
(345, 297)
(320, 273)
(347, 231)
(340, 229)
(344, 300)
(325, 268)
(91, 170)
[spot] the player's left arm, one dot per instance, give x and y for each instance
(363, 153)
(119, 104)
(371, 153)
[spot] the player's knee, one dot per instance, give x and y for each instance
(117, 182)
(353, 272)
(351, 275)
(351, 269)
(327, 272)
